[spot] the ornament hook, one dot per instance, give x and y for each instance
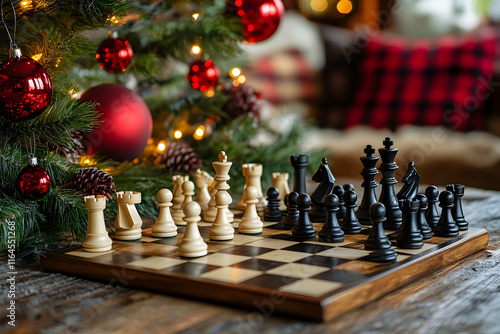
(13, 44)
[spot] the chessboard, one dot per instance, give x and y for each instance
(270, 273)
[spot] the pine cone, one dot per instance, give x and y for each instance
(93, 181)
(180, 158)
(79, 149)
(242, 100)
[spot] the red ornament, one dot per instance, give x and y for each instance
(114, 54)
(126, 122)
(25, 87)
(203, 75)
(260, 18)
(33, 181)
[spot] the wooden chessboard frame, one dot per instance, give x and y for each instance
(379, 279)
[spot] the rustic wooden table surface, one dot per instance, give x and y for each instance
(460, 298)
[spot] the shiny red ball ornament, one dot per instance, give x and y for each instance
(25, 87)
(260, 18)
(114, 55)
(203, 75)
(126, 122)
(33, 182)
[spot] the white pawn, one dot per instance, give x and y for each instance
(192, 244)
(164, 226)
(221, 229)
(251, 223)
(97, 239)
(188, 193)
(203, 180)
(280, 182)
(176, 209)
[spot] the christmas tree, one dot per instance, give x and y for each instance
(138, 121)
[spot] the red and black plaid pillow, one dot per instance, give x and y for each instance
(443, 81)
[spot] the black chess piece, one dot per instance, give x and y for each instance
(348, 186)
(377, 240)
(331, 231)
(369, 172)
(388, 167)
(457, 211)
(409, 235)
(303, 229)
(272, 213)
(292, 213)
(423, 226)
(432, 214)
(350, 223)
(411, 179)
(299, 164)
(326, 183)
(446, 226)
(339, 192)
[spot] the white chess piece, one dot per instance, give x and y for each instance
(188, 192)
(202, 180)
(253, 173)
(128, 223)
(221, 177)
(221, 229)
(280, 182)
(164, 226)
(176, 209)
(251, 223)
(192, 244)
(97, 239)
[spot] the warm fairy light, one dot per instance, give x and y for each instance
(58, 61)
(37, 57)
(74, 94)
(195, 49)
(162, 146)
(234, 72)
(344, 6)
(242, 79)
(199, 133)
(195, 16)
(209, 92)
(151, 141)
(114, 20)
(236, 83)
(319, 5)
(177, 134)
(87, 160)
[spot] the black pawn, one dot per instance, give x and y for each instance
(377, 240)
(446, 226)
(409, 235)
(292, 213)
(457, 211)
(303, 229)
(272, 212)
(432, 214)
(331, 231)
(348, 186)
(387, 196)
(339, 192)
(350, 223)
(421, 220)
(299, 164)
(369, 172)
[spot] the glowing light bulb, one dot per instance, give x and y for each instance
(195, 49)
(177, 134)
(162, 146)
(234, 72)
(199, 133)
(37, 57)
(195, 16)
(319, 5)
(242, 79)
(344, 6)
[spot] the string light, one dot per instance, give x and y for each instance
(25, 4)
(242, 79)
(209, 92)
(87, 161)
(199, 133)
(195, 16)
(114, 20)
(234, 72)
(344, 6)
(195, 49)
(37, 57)
(162, 146)
(177, 134)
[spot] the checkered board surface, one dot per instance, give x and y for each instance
(311, 279)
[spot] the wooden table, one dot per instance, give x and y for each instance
(463, 297)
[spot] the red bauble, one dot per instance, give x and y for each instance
(203, 75)
(126, 122)
(114, 54)
(260, 18)
(33, 181)
(25, 87)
